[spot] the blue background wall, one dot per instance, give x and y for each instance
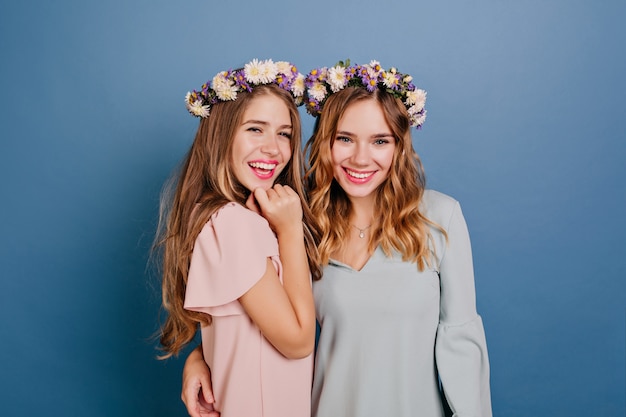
(525, 127)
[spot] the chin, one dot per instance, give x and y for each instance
(266, 185)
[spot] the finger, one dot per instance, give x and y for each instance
(193, 408)
(279, 190)
(252, 204)
(207, 390)
(273, 193)
(289, 196)
(283, 187)
(191, 402)
(264, 200)
(286, 191)
(261, 197)
(289, 190)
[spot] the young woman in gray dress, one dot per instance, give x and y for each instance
(400, 335)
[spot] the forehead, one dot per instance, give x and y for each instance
(267, 107)
(364, 116)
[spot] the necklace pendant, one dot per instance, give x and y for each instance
(361, 231)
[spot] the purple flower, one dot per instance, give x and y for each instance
(284, 81)
(240, 80)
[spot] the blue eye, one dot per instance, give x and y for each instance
(343, 139)
(286, 134)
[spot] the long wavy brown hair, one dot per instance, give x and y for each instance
(203, 184)
(399, 224)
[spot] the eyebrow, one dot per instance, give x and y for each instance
(264, 123)
(376, 135)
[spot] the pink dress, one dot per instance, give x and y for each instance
(250, 377)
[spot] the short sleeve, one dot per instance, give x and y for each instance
(229, 257)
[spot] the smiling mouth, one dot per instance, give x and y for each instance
(263, 169)
(358, 175)
(262, 165)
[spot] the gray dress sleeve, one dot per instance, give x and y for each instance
(460, 347)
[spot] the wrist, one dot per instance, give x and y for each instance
(294, 231)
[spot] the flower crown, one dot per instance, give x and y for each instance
(227, 84)
(322, 82)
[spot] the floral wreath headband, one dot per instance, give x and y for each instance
(322, 82)
(227, 84)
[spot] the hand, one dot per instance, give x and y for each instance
(252, 204)
(281, 206)
(197, 392)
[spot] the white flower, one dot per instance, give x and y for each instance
(407, 79)
(197, 109)
(389, 79)
(225, 88)
(283, 67)
(253, 71)
(297, 87)
(219, 80)
(411, 97)
(268, 73)
(418, 119)
(416, 98)
(226, 94)
(337, 78)
(375, 65)
(317, 91)
(372, 72)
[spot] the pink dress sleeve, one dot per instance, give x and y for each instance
(229, 257)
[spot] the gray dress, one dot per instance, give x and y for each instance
(390, 333)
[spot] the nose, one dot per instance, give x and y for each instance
(361, 154)
(270, 145)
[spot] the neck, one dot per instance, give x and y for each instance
(362, 212)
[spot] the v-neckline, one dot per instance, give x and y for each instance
(350, 267)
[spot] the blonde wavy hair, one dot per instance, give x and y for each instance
(399, 225)
(204, 183)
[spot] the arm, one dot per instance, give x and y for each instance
(461, 348)
(197, 392)
(284, 313)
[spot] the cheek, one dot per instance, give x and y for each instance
(285, 150)
(336, 155)
(239, 150)
(385, 162)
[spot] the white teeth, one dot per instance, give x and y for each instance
(261, 165)
(358, 174)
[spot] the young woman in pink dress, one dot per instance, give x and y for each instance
(237, 253)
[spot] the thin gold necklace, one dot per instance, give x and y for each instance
(361, 231)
